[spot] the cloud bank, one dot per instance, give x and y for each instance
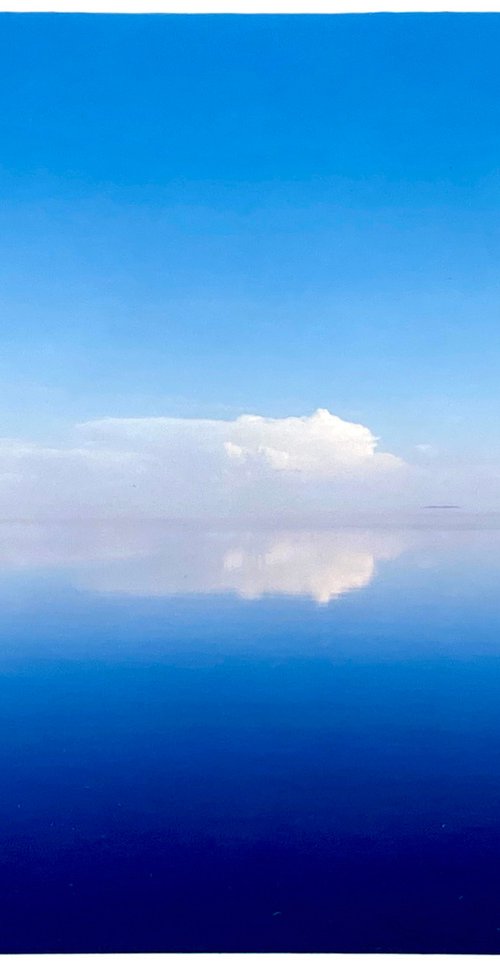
(193, 468)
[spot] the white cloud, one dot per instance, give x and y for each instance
(172, 467)
(321, 445)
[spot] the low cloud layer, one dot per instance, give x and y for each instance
(187, 468)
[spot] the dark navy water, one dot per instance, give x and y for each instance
(249, 742)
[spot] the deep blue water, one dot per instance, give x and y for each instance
(198, 755)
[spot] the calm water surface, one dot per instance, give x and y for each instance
(249, 741)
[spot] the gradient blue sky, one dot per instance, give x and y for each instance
(204, 216)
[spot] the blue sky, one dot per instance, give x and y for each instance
(207, 216)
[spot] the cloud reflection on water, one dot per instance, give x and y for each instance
(151, 559)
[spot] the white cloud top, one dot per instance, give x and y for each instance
(173, 467)
(321, 445)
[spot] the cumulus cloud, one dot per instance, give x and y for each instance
(173, 467)
(321, 445)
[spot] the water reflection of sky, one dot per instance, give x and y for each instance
(202, 728)
(124, 585)
(150, 559)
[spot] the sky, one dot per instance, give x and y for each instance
(206, 217)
